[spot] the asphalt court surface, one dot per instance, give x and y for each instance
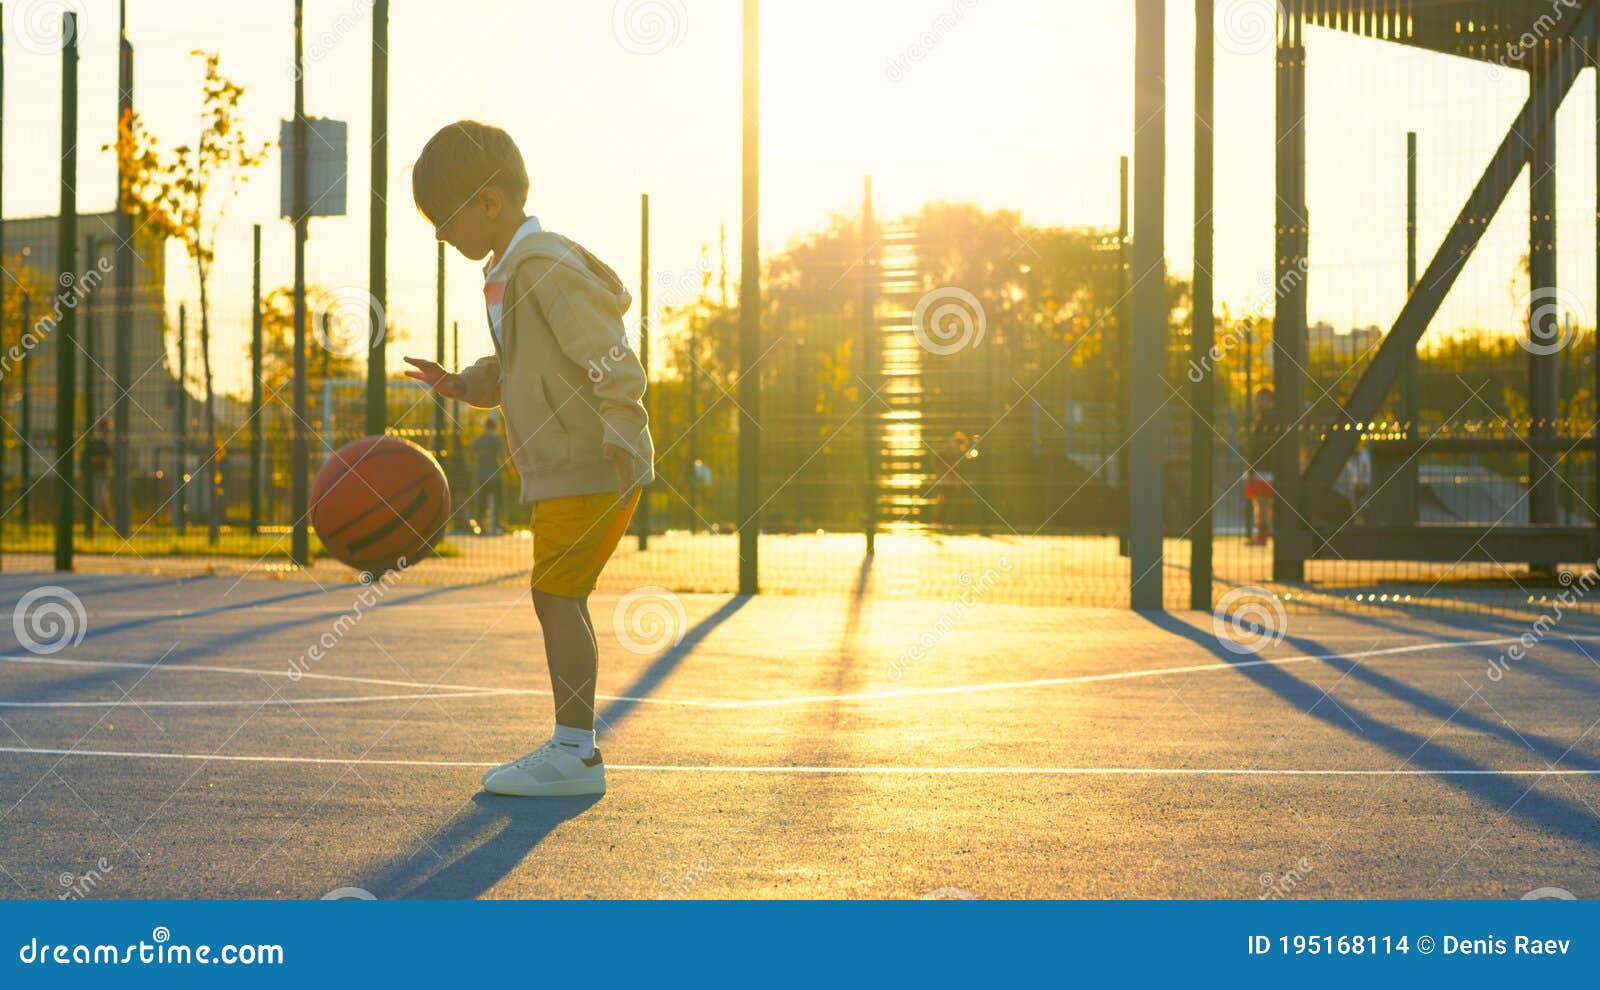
(192, 744)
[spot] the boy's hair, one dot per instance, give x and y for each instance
(462, 159)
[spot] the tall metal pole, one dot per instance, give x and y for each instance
(1124, 357)
(869, 365)
(1544, 366)
(378, 228)
(180, 424)
(455, 406)
(750, 311)
(67, 339)
(1249, 404)
(694, 418)
(325, 380)
(1408, 396)
(91, 368)
(25, 454)
(122, 321)
(438, 345)
(300, 467)
(1147, 444)
(3, 275)
(1289, 537)
(1594, 389)
(460, 459)
(644, 349)
(255, 380)
(1202, 424)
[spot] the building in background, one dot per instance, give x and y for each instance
(31, 255)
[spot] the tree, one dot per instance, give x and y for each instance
(183, 194)
(277, 347)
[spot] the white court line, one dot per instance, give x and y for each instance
(798, 770)
(330, 610)
(814, 699)
(249, 702)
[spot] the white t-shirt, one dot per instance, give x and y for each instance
(494, 275)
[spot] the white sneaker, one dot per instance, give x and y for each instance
(549, 771)
(525, 756)
(493, 770)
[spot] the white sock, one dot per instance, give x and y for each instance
(581, 741)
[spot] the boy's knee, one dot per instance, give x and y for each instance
(544, 601)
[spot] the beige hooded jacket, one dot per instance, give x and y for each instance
(563, 375)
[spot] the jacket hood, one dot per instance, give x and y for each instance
(548, 244)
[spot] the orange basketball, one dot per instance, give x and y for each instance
(380, 499)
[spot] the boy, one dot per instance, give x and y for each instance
(569, 390)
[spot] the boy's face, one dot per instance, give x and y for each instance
(471, 228)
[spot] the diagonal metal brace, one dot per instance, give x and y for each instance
(1425, 298)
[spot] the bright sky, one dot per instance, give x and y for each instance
(1006, 103)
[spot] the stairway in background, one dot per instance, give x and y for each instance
(904, 461)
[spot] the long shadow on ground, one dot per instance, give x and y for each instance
(482, 844)
(1512, 796)
(476, 849)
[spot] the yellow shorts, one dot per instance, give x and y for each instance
(573, 537)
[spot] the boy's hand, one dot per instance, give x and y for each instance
(622, 460)
(447, 384)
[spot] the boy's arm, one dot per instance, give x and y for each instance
(483, 383)
(584, 318)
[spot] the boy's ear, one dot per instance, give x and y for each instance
(492, 201)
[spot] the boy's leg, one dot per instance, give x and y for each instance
(573, 656)
(572, 540)
(583, 606)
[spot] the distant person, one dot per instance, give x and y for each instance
(702, 486)
(950, 459)
(571, 391)
(486, 477)
(1258, 474)
(1357, 477)
(97, 464)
